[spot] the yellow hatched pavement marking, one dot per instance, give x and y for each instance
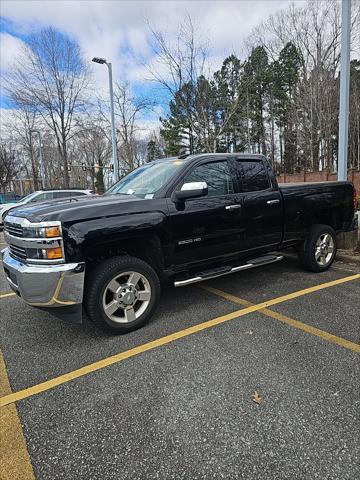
(106, 362)
(15, 462)
(355, 347)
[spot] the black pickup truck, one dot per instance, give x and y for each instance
(183, 220)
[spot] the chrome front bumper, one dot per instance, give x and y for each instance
(45, 286)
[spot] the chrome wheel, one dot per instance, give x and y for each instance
(126, 297)
(324, 249)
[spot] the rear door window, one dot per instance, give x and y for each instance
(64, 194)
(48, 195)
(254, 176)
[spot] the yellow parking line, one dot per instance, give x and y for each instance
(355, 347)
(106, 362)
(15, 462)
(4, 295)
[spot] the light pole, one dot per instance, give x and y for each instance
(344, 89)
(113, 132)
(42, 170)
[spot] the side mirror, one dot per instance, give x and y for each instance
(190, 190)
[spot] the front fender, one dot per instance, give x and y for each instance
(111, 232)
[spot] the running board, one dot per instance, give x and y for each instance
(221, 271)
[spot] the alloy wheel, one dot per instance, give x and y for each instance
(126, 297)
(324, 249)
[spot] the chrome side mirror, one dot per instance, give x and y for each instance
(190, 190)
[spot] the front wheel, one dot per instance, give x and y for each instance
(319, 249)
(121, 294)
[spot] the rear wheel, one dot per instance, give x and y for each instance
(122, 294)
(319, 249)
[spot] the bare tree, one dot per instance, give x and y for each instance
(315, 30)
(22, 122)
(50, 78)
(8, 165)
(128, 112)
(92, 148)
(177, 66)
(181, 61)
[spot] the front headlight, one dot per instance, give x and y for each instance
(51, 232)
(53, 253)
(34, 243)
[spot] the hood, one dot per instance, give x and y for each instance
(5, 206)
(77, 209)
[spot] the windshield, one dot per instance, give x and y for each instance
(146, 180)
(28, 197)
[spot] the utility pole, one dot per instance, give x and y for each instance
(102, 61)
(344, 89)
(42, 169)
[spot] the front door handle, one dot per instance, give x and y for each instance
(272, 202)
(232, 207)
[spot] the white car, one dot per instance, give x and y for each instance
(42, 196)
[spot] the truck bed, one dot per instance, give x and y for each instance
(329, 203)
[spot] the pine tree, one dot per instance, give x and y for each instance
(153, 150)
(284, 78)
(255, 85)
(229, 106)
(177, 129)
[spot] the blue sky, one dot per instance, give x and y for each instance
(119, 31)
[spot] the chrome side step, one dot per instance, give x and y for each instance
(219, 272)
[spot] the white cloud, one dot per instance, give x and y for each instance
(10, 47)
(109, 28)
(119, 30)
(7, 116)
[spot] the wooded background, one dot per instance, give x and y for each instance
(280, 99)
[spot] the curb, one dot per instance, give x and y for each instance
(348, 258)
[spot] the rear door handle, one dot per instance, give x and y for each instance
(272, 202)
(232, 207)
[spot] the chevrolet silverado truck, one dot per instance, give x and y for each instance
(183, 220)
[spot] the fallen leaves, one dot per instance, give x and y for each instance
(256, 398)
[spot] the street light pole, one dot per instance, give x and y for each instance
(113, 132)
(42, 169)
(344, 89)
(101, 61)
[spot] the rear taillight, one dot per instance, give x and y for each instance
(355, 200)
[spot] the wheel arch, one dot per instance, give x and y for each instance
(147, 247)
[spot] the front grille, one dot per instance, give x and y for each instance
(17, 252)
(14, 229)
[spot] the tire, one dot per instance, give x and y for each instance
(319, 249)
(121, 294)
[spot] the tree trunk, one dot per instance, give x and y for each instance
(65, 163)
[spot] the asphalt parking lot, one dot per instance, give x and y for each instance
(174, 405)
